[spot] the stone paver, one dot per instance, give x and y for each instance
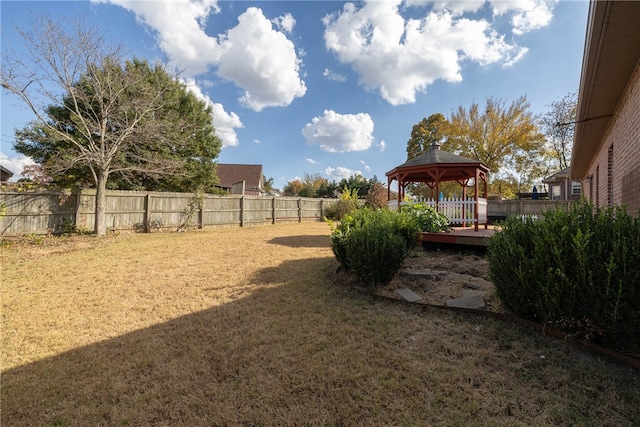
(472, 301)
(408, 295)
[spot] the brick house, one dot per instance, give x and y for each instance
(606, 146)
(241, 179)
(562, 187)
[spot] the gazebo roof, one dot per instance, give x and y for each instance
(437, 165)
(436, 156)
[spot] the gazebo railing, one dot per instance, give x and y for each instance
(458, 211)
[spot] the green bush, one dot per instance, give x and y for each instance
(375, 253)
(347, 202)
(373, 243)
(429, 220)
(577, 270)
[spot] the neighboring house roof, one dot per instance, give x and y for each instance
(558, 176)
(5, 174)
(611, 53)
(230, 174)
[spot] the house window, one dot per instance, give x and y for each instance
(556, 192)
(576, 188)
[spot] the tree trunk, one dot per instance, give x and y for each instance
(100, 225)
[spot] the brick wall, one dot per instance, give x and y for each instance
(620, 149)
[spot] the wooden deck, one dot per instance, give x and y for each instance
(459, 236)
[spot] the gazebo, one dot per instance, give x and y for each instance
(436, 166)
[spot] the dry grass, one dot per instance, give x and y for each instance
(252, 326)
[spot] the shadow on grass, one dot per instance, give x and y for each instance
(304, 241)
(224, 365)
(309, 352)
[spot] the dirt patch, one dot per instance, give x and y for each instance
(442, 275)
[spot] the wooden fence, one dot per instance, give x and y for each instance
(58, 211)
(500, 209)
(490, 211)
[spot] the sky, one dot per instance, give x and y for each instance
(329, 87)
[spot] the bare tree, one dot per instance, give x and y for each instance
(86, 98)
(558, 126)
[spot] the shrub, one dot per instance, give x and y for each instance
(376, 198)
(366, 241)
(577, 270)
(347, 202)
(375, 253)
(429, 220)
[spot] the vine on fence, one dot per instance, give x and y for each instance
(193, 206)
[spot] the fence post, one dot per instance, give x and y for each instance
(273, 210)
(321, 209)
(299, 209)
(145, 217)
(201, 212)
(241, 200)
(78, 205)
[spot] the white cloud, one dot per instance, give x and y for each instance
(15, 164)
(180, 29)
(528, 15)
(253, 55)
(365, 166)
(401, 57)
(313, 162)
(285, 23)
(330, 75)
(337, 174)
(224, 123)
(382, 145)
(262, 61)
(456, 7)
(257, 141)
(338, 133)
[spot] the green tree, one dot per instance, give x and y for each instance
(307, 187)
(314, 185)
(427, 132)
(558, 125)
(179, 158)
(328, 189)
(268, 184)
(358, 183)
(292, 188)
(506, 139)
(99, 116)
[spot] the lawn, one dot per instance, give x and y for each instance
(252, 326)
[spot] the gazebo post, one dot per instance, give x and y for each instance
(476, 217)
(486, 196)
(464, 199)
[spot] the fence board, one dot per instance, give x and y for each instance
(58, 211)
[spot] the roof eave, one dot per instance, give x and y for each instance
(610, 56)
